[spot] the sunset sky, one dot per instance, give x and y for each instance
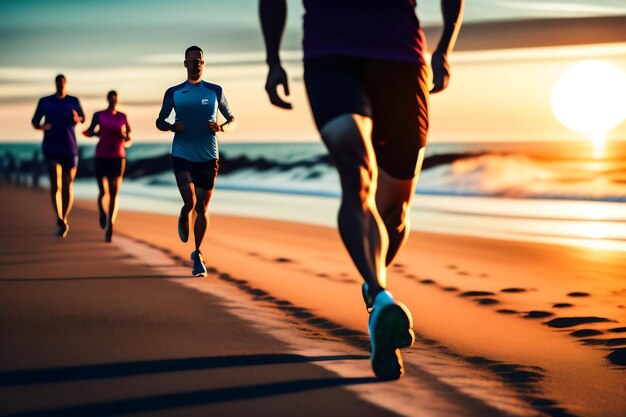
(503, 72)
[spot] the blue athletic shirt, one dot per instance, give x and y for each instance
(195, 105)
(61, 138)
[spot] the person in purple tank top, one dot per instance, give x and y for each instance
(110, 161)
(367, 84)
(60, 113)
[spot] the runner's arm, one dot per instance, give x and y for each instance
(273, 15)
(452, 11)
(128, 142)
(36, 121)
(224, 108)
(79, 111)
(166, 110)
(91, 130)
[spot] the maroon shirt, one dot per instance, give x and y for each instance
(384, 29)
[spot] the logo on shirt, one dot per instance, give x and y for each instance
(205, 101)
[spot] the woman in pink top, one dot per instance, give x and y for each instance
(114, 133)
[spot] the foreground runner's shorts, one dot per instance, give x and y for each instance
(393, 94)
(201, 174)
(67, 161)
(110, 167)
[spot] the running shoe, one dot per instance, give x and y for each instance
(62, 228)
(108, 235)
(390, 328)
(199, 270)
(183, 225)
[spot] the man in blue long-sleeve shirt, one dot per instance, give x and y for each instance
(195, 154)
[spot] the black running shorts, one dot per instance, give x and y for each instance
(393, 94)
(67, 161)
(110, 167)
(201, 174)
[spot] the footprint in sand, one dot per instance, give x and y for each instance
(487, 301)
(282, 260)
(476, 294)
(617, 357)
(618, 330)
(578, 294)
(507, 311)
(604, 342)
(585, 333)
(450, 289)
(427, 282)
(538, 314)
(513, 290)
(562, 305)
(563, 322)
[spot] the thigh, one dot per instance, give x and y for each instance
(203, 197)
(182, 170)
(116, 169)
(399, 96)
(335, 88)
(204, 174)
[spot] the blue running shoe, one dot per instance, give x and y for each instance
(199, 270)
(183, 225)
(390, 328)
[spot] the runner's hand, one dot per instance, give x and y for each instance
(215, 127)
(77, 119)
(277, 76)
(46, 126)
(441, 71)
(179, 126)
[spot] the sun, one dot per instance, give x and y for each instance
(590, 98)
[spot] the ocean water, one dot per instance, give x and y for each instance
(554, 192)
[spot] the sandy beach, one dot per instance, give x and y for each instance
(503, 328)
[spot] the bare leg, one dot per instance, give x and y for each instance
(114, 187)
(393, 200)
(203, 197)
(54, 171)
(348, 138)
(186, 189)
(67, 190)
(103, 185)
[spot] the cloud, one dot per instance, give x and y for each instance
(562, 8)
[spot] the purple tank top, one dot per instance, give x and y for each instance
(384, 29)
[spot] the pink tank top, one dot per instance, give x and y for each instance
(111, 144)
